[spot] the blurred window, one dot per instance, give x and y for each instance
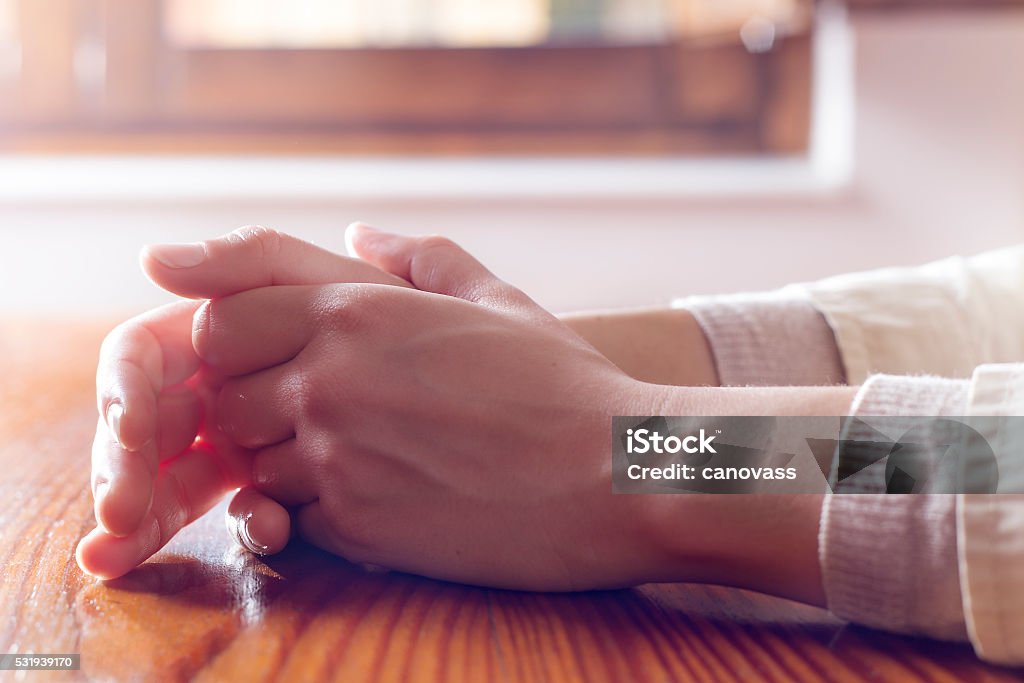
(406, 76)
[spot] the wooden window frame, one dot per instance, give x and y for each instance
(682, 98)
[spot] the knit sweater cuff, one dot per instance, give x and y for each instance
(768, 339)
(890, 561)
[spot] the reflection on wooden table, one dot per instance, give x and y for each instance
(203, 608)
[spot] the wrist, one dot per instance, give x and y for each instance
(766, 542)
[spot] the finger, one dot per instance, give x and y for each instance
(249, 258)
(122, 479)
(257, 410)
(433, 264)
(257, 329)
(259, 524)
(138, 360)
(186, 488)
(178, 416)
(281, 472)
(121, 482)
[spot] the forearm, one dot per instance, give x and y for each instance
(775, 401)
(656, 345)
(769, 339)
(834, 331)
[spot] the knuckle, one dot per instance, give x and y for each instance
(111, 341)
(430, 250)
(355, 528)
(500, 293)
(304, 392)
(266, 472)
(433, 242)
(202, 331)
(316, 401)
(176, 514)
(265, 242)
(347, 308)
(127, 335)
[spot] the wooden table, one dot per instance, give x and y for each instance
(204, 609)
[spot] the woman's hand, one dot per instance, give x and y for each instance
(158, 462)
(459, 431)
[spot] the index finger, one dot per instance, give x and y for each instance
(252, 257)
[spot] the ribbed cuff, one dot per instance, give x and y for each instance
(894, 397)
(911, 396)
(890, 561)
(991, 543)
(769, 339)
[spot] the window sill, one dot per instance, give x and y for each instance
(113, 180)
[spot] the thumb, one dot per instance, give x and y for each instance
(433, 264)
(248, 258)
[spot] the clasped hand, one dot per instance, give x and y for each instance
(406, 408)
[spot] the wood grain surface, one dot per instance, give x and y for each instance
(203, 609)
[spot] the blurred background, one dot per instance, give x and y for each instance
(597, 153)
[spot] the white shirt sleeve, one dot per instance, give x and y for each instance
(944, 318)
(990, 528)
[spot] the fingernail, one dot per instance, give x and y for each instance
(251, 542)
(179, 255)
(100, 492)
(350, 235)
(115, 411)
